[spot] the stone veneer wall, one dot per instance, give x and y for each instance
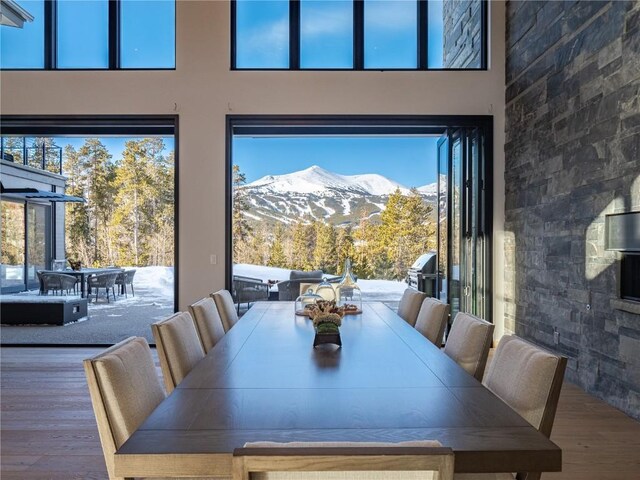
(462, 32)
(573, 155)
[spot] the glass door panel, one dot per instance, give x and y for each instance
(462, 223)
(455, 223)
(443, 222)
(12, 247)
(37, 244)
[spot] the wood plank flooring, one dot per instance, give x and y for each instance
(48, 430)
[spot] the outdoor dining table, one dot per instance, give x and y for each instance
(82, 274)
(265, 381)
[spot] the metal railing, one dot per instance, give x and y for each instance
(43, 157)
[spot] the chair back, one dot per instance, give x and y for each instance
(208, 322)
(410, 304)
(226, 308)
(124, 390)
(424, 460)
(179, 348)
(129, 274)
(67, 282)
(50, 281)
(469, 342)
(432, 320)
(528, 379)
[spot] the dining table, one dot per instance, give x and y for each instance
(264, 381)
(82, 274)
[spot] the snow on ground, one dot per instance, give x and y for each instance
(153, 286)
(372, 290)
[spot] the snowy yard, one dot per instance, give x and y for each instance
(372, 290)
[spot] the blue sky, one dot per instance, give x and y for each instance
(326, 34)
(115, 145)
(410, 161)
(147, 35)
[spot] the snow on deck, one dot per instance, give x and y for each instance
(372, 290)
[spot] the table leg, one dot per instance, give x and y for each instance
(82, 285)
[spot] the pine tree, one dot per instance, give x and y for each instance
(77, 221)
(344, 248)
(133, 219)
(302, 246)
(99, 194)
(241, 229)
(14, 146)
(276, 256)
(324, 254)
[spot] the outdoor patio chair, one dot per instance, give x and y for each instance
(123, 279)
(248, 289)
(57, 282)
(102, 280)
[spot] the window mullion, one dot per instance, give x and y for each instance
(114, 34)
(423, 36)
(358, 34)
(294, 34)
(50, 34)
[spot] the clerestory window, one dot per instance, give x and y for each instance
(90, 34)
(359, 34)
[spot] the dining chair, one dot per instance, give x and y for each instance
(432, 320)
(410, 304)
(208, 322)
(124, 390)
(226, 308)
(179, 347)
(528, 379)
(468, 343)
(423, 460)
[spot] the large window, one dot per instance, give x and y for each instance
(91, 34)
(359, 34)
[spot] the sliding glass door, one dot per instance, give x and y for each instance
(463, 242)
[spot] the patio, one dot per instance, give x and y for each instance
(107, 323)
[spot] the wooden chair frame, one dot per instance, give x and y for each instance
(342, 459)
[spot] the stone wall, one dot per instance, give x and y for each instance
(573, 155)
(462, 32)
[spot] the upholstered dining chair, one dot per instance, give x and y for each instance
(424, 460)
(410, 304)
(226, 309)
(124, 390)
(528, 379)
(468, 343)
(432, 320)
(179, 347)
(208, 322)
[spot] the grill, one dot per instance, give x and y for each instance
(422, 274)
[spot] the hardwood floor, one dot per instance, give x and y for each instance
(48, 430)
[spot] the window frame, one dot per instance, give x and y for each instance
(358, 41)
(50, 45)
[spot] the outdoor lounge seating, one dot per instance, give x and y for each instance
(102, 280)
(290, 289)
(248, 289)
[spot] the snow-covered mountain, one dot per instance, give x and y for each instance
(316, 193)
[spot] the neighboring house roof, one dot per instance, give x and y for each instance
(34, 193)
(13, 15)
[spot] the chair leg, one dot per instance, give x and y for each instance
(133, 293)
(107, 290)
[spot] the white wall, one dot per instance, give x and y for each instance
(205, 90)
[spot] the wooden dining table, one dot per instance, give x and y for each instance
(265, 381)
